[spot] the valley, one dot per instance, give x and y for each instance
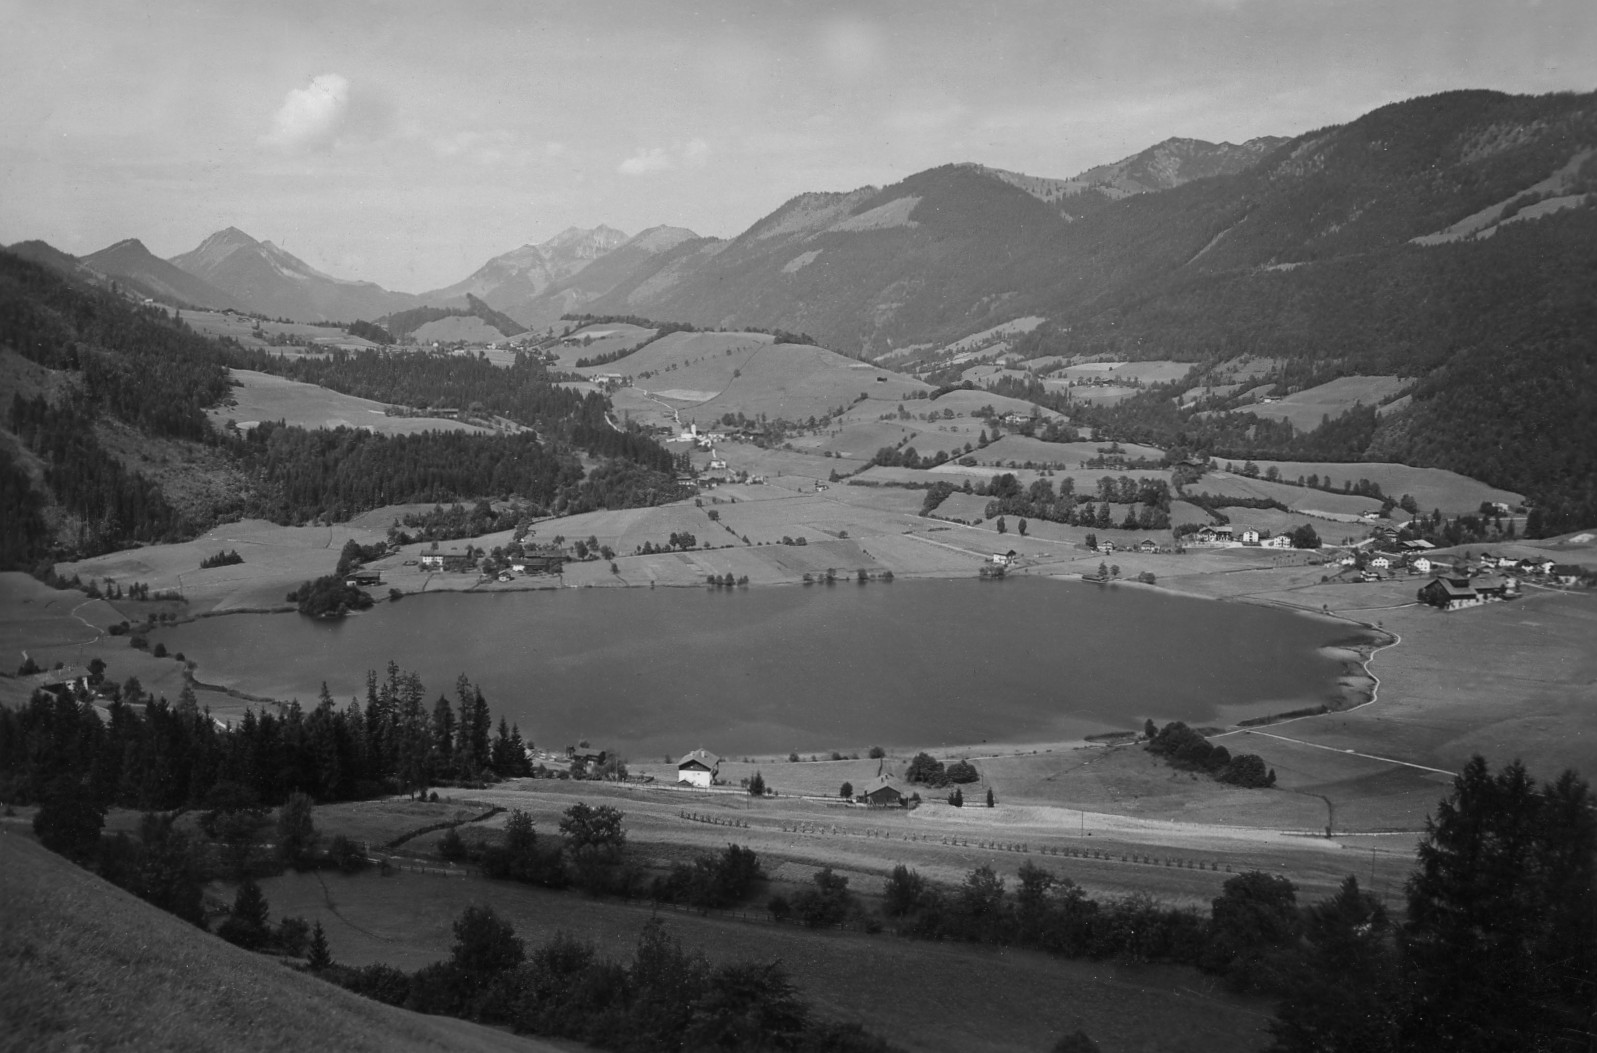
(1207, 511)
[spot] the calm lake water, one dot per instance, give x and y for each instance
(910, 663)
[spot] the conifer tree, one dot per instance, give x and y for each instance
(320, 957)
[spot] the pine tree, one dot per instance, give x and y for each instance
(319, 958)
(1501, 940)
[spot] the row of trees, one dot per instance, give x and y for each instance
(147, 754)
(1186, 748)
(1497, 950)
(665, 997)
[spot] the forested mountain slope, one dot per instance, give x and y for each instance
(86, 367)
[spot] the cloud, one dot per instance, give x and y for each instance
(695, 153)
(311, 117)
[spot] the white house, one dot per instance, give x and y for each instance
(1381, 563)
(1277, 541)
(1249, 536)
(1421, 564)
(698, 768)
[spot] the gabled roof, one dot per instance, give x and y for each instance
(700, 757)
(883, 782)
(1453, 588)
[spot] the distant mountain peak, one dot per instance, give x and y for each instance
(601, 236)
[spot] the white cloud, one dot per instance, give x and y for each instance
(311, 117)
(695, 153)
(653, 159)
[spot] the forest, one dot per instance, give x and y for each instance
(1499, 333)
(149, 754)
(144, 367)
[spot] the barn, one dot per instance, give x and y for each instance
(884, 791)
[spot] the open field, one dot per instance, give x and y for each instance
(966, 403)
(84, 965)
(1156, 371)
(676, 352)
(600, 340)
(242, 328)
(1306, 408)
(1297, 498)
(263, 397)
(1009, 1000)
(1430, 487)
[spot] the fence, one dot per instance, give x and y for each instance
(1020, 847)
(714, 820)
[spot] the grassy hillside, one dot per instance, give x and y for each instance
(84, 965)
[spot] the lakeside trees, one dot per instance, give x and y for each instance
(148, 754)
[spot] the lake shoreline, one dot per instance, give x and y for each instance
(325, 649)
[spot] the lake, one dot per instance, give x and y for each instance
(767, 670)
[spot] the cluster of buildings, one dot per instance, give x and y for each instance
(702, 768)
(1234, 537)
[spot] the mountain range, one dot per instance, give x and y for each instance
(1448, 240)
(537, 283)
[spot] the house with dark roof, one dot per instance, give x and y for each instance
(698, 768)
(884, 791)
(1449, 593)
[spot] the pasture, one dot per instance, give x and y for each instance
(261, 397)
(471, 330)
(1007, 1003)
(1305, 409)
(1297, 498)
(242, 328)
(595, 340)
(93, 967)
(1430, 487)
(1154, 371)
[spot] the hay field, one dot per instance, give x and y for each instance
(963, 508)
(471, 330)
(1298, 498)
(860, 440)
(242, 329)
(65, 626)
(1154, 371)
(1430, 487)
(606, 339)
(797, 381)
(1505, 680)
(1009, 1003)
(966, 402)
(272, 555)
(261, 397)
(1305, 408)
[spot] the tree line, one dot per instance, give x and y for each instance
(143, 752)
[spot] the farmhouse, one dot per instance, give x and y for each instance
(452, 559)
(698, 768)
(1148, 544)
(1249, 536)
(1214, 535)
(1277, 541)
(884, 791)
(360, 578)
(1420, 564)
(1003, 559)
(1449, 593)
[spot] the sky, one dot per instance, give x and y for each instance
(407, 143)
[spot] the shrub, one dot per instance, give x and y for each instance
(962, 772)
(452, 847)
